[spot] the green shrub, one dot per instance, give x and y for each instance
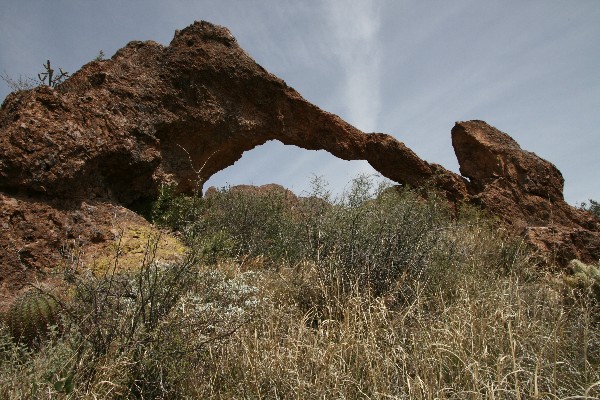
(229, 223)
(377, 294)
(584, 276)
(387, 241)
(176, 211)
(369, 236)
(593, 207)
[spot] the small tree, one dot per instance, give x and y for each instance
(593, 207)
(101, 56)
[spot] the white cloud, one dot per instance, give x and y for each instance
(355, 29)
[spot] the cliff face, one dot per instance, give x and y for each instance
(72, 158)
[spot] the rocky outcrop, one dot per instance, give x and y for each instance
(119, 128)
(75, 157)
(524, 191)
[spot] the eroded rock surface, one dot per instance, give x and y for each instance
(524, 191)
(73, 157)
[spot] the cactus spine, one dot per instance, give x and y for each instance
(31, 315)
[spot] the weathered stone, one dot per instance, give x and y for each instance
(525, 192)
(73, 157)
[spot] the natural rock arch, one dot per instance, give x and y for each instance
(130, 123)
(109, 136)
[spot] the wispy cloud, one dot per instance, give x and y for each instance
(355, 28)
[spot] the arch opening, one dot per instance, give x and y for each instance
(293, 168)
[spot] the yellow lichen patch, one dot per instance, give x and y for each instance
(133, 246)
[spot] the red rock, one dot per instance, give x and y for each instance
(117, 129)
(525, 192)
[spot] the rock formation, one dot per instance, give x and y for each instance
(74, 158)
(524, 191)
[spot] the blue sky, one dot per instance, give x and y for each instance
(407, 68)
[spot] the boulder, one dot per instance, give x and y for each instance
(525, 192)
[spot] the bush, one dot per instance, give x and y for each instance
(135, 334)
(380, 293)
(377, 238)
(592, 207)
(48, 78)
(156, 321)
(584, 277)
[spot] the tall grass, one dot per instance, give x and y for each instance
(378, 294)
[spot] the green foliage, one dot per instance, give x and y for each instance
(380, 293)
(370, 236)
(374, 236)
(584, 276)
(593, 207)
(31, 315)
(388, 241)
(178, 212)
(229, 223)
(65, 385)
(248, 224)
(101, 56)
(31, 373)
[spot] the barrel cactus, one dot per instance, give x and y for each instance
(31, 315)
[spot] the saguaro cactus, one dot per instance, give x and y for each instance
(48, 77)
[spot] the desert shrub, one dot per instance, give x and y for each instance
(255, 224)
(47, 77)
(22, 83)
(382, 286)
(176, 211)
(378, 238)
(495, 335)
(585, 278)
(230, 223)
(101, 56)
(156, 322)
(593, 207)
(372, 237)
(28, 373)
(380, 293)
(132, 334)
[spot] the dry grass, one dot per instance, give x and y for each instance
(455, 310)
(494, 338)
